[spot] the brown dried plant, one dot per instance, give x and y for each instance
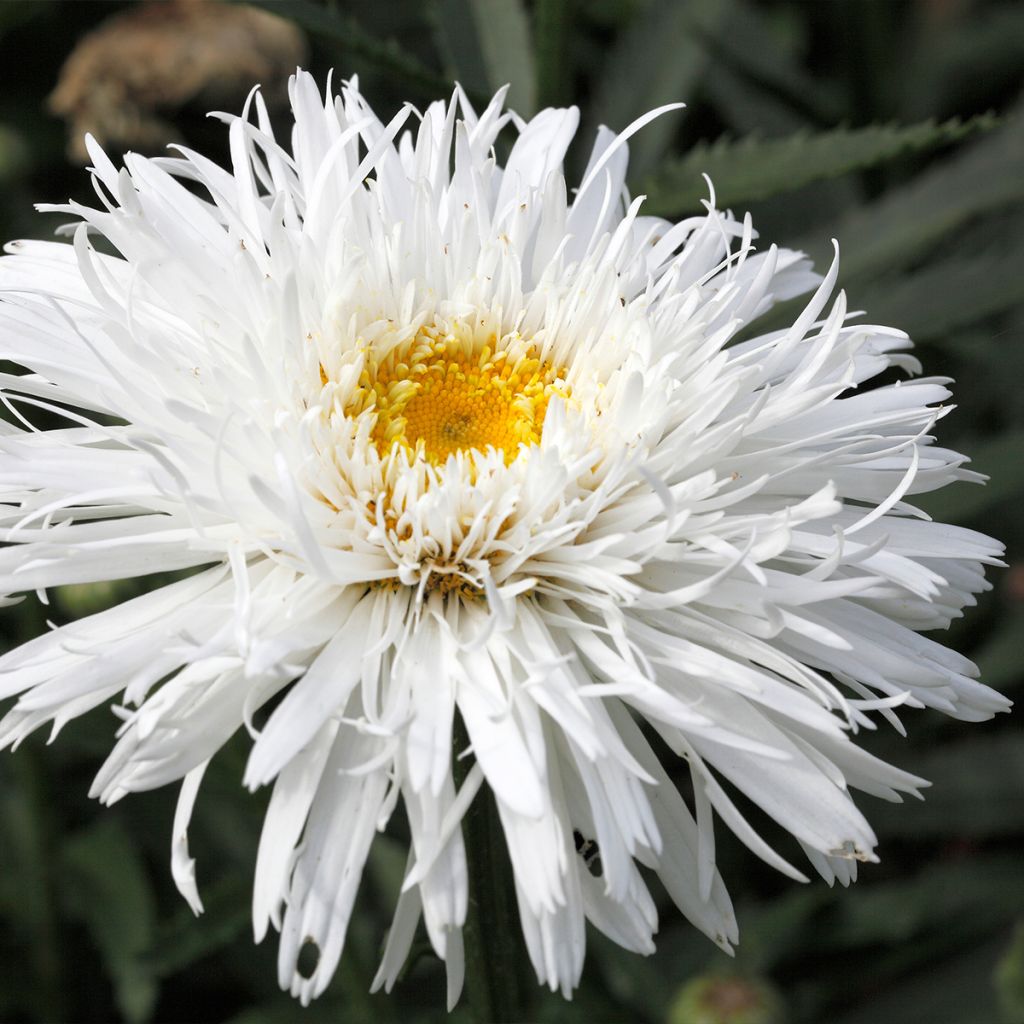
(123, 78)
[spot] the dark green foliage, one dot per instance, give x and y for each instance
(104, 884)
(755, 168)
(895, 127)
(486, 44)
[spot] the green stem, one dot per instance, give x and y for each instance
(491, 933)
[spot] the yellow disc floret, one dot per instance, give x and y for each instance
(449, 391)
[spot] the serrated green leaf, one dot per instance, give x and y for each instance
(106, 887)
(910, 221)
(750, 169)
(657, 60)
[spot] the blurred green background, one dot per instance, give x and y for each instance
(896, 127)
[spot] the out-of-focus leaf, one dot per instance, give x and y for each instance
(13, 154)
(14, 12)
(999, 659)
(954, 991)
(774, 928)
(760, 54)
(998, 457)
(598, 997)
(503, 30)
(643, 987)
(943, 70)
(1009, 978)
(977, 788)
(554, 54)
(26, 891)
(899, 932)
(320, 1011)
(657, 60)
(750, 169)
(106, 887)
(185, 939)
(909, 221)
(80, 599)
(487, 44)
(456, 40)
(747, 107)
(971, 897)
(386, 866)
(941, 298)
(331, 23)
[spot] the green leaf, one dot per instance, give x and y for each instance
(487, 44)
(945, 63)
(106, 887)
(977, 789)
(76, 600)
(553, 53)
(957, 990)
(775, 927)
(946, 902)
(934, 302)
(1009, 980)
(13, 154)
(185, 939)
(756, 78)
(750, 169)
(899, 930)
(999, 660)
(911, 221)
(746, 106)
(658, 60)
(388, 55)
(27, 813)
(504, 33)
(999, 458)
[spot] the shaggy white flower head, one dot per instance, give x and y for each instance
(437, 437)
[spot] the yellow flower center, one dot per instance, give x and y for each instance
(448, 391)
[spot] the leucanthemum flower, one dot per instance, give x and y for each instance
(438, 439)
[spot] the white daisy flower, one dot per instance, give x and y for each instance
(446, 445)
